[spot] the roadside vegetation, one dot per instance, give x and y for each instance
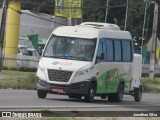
(151, 86)
(27, 80)
(17, 79)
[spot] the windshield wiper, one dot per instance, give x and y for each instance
(68, 57)
(50, 56)
(78, 58)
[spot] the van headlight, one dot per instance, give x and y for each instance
(79, 73)
(41, 72)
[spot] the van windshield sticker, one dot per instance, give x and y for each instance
(62, 63)
(65, 63)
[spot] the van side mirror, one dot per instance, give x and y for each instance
(101, 57)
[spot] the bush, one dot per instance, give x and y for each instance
(24, 69)
(151, 86)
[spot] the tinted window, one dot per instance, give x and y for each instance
(126, 47)
(117, 50)
(100, 48)
(109, 47)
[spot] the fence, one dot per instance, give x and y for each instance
(145, 69)
(20, 61)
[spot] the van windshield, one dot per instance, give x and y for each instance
(70, 48)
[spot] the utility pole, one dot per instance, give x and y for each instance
(70, 14)
(2, 30)
(126, 15)
(144, 23)
(154, 42)
(82, 11)
(107, 1)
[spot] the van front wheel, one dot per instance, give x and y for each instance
(91, 92)
(41, 93)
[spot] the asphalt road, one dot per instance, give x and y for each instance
(27, 100)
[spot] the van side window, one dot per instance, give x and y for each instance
(109, 50)
(101, 48)
(117, 50)
(126, 48)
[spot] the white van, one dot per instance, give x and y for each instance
(27, 57)
(87, 60)
(22, 50)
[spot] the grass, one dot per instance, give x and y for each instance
(151, 86)
(17, 80)
(12, 72)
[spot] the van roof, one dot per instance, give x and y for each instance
(90, 30)
(106, 26)
(76, 31)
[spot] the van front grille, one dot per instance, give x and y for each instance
(59, 75)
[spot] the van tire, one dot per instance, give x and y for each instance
(119, 94)
(91, 93)
(117, 97)
(103, 96)
(111, 98)
(41, 94)
(138, 94)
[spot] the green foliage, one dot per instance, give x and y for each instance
(135, 19)
(92, 10)
(32, 78)
(9, 68)
(17, 80)
(1, 3)
(20, 69)
(151, 86)
(41, 6)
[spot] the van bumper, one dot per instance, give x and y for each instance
(75, 88)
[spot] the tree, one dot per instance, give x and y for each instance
(1, 3)
(43, 6)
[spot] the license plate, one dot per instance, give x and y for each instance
(58, 90)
